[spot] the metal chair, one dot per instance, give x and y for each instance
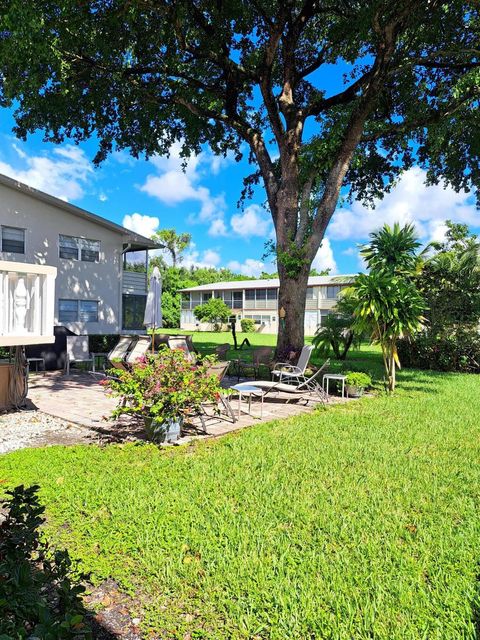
(221, 351)
(286, 372)
(261, 357)
(218, 369)
(77, 351)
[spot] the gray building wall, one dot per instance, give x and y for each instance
(99, 281)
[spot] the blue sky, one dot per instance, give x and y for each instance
(203, 201)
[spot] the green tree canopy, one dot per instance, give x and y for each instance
(344, 94)
(450, 280)
(175, 243)
(214, 311)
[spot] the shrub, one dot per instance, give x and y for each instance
(358, 379)
(39, 593)
(453, 349)
(165, 386)
(214, 311)
(101, 342)
(248, 325)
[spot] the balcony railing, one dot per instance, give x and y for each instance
(27, 302)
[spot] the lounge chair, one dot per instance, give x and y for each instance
(290, 373)
(180, 342)
(306, 390)
(140, 348)
(119, 352)
(218, 369)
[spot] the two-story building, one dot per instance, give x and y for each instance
(258, 300)
(98, 289)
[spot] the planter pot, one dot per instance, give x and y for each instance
(354, 392)
(160, 431)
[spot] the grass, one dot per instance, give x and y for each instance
(206, 341)
(358, 522)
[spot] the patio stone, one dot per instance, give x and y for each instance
(76, 409)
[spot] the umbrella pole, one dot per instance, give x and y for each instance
(153, 340)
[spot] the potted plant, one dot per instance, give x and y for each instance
(164, 389)
(356, 382)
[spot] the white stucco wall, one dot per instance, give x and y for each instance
(43, 223)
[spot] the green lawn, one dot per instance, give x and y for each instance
(361, 521)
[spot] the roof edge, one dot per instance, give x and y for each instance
(77, 211)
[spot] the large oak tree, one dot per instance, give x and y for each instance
(142, 74)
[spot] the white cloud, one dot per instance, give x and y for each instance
(252, 222)
(193, 258)
(211, 257)
(218, 228)
(63, 173)
(250, 267)
(144, 225)
(409, 202)
(324, 258)
(103, 197)
(178, 180)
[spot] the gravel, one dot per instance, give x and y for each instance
(31, 428)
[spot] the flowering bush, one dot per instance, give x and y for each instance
(165, 386)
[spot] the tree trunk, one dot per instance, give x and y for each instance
(292, 297)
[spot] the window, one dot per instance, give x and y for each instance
(90, 251)
(260, 319)
(68, 310)
(271, 294)
(250, 294)
(133, 310)
(237, 300)
(185, 301)
(333, 291)
(88, 311)
(72, 248)
(206, 297)
(310, 293)
(13, 240)
(78, 310)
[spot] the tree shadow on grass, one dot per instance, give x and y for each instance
(41, 592)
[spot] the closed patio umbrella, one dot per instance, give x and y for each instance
(153, 308)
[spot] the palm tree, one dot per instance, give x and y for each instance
(394, 250)
(175, 243)
(389, 307)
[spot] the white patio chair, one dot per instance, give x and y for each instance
(177, 342)
(309, 389)
(140, 348)
(290, 373)
(77, 351)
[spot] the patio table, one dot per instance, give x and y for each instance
(334, 376)
(248, 390)
(37, 361)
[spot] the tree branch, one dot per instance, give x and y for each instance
(402, 128)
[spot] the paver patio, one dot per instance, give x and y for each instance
(80, 399)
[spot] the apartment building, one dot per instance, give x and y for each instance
(96, 289)
(258, 300)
